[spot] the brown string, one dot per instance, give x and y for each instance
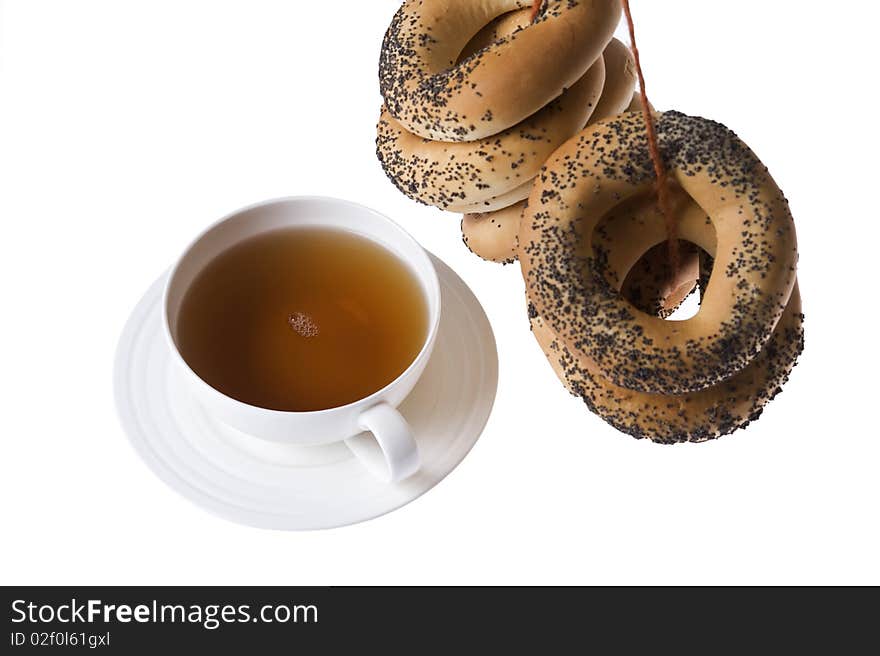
(653, 145)
(536, 9)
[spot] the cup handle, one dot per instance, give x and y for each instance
(397, 455)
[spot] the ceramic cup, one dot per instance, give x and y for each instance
(396, 457)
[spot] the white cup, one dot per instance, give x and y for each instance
(376, 413)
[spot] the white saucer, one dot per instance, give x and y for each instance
(276, 486)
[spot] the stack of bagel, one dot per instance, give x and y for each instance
(591, 217)
(478, 95)
(521, 121)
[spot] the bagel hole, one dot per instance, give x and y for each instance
(649, 284)
(652, 288)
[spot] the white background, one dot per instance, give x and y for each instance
(127, 126)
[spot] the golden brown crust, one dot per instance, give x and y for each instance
(620, 80)
(497, 203)
(492, 235)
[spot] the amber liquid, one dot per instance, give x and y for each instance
(302, 319)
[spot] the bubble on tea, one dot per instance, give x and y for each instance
(303, 325)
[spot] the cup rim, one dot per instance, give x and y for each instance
(433, 283)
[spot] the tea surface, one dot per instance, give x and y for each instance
(302, 319)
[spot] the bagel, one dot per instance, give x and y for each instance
(696, 417)
(667, 418)
(492, 236)
(755, 249)
(495, 88)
